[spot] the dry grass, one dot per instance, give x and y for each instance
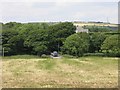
(88, 72)
(0, 73)
(96, 24)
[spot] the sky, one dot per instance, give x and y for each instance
(58, 10)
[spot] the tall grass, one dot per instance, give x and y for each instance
(20, 57)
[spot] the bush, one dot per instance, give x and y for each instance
(44, 56)
(68, 56)
(94, 54)
(112, 54)
(111, 46)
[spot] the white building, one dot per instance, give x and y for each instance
(80, 29)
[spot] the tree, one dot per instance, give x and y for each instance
(35, 38)
(96, 40)
(98, 28)
(58, 33)
(76, 44)
(38, 40)
(11, 42)
(11, 25)
(111, 46)
(27, 30)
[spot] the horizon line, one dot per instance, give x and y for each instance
(76, 21)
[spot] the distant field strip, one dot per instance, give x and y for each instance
(84, 72)
(96, 24)
(0, 73)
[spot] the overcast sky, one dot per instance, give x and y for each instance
(55, 10)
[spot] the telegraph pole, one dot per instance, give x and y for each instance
(107, 20)
(58, 47)
(3, 52)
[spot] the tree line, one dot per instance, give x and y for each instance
(44, 38)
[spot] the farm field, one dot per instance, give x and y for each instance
(84, 72)
(0, 73)
(96, 24)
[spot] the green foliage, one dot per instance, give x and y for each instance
(111, 46)
(11, 26)
(45, 56)
(96, 40)
(94, 54)
(38, 40)
(58, 33)
(44, 38)
(98, 29)
(34, 38)
(76, 44)
(68, 56)
(11, 42)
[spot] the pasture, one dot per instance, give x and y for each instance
(95, 24)
(83, 72)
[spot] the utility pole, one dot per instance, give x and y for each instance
(58, 46)
(107, 20)
(3, 52)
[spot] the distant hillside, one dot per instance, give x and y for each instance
(94, 23)
(99, 24)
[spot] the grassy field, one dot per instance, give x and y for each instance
(84, 72)
(0, 73)
(96, 24)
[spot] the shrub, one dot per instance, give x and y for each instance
(44, 56)
(94, 54)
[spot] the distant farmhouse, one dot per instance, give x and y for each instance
(80, 29)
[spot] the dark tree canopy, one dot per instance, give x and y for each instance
(34, 38)
(11, 42)
(96, 40)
